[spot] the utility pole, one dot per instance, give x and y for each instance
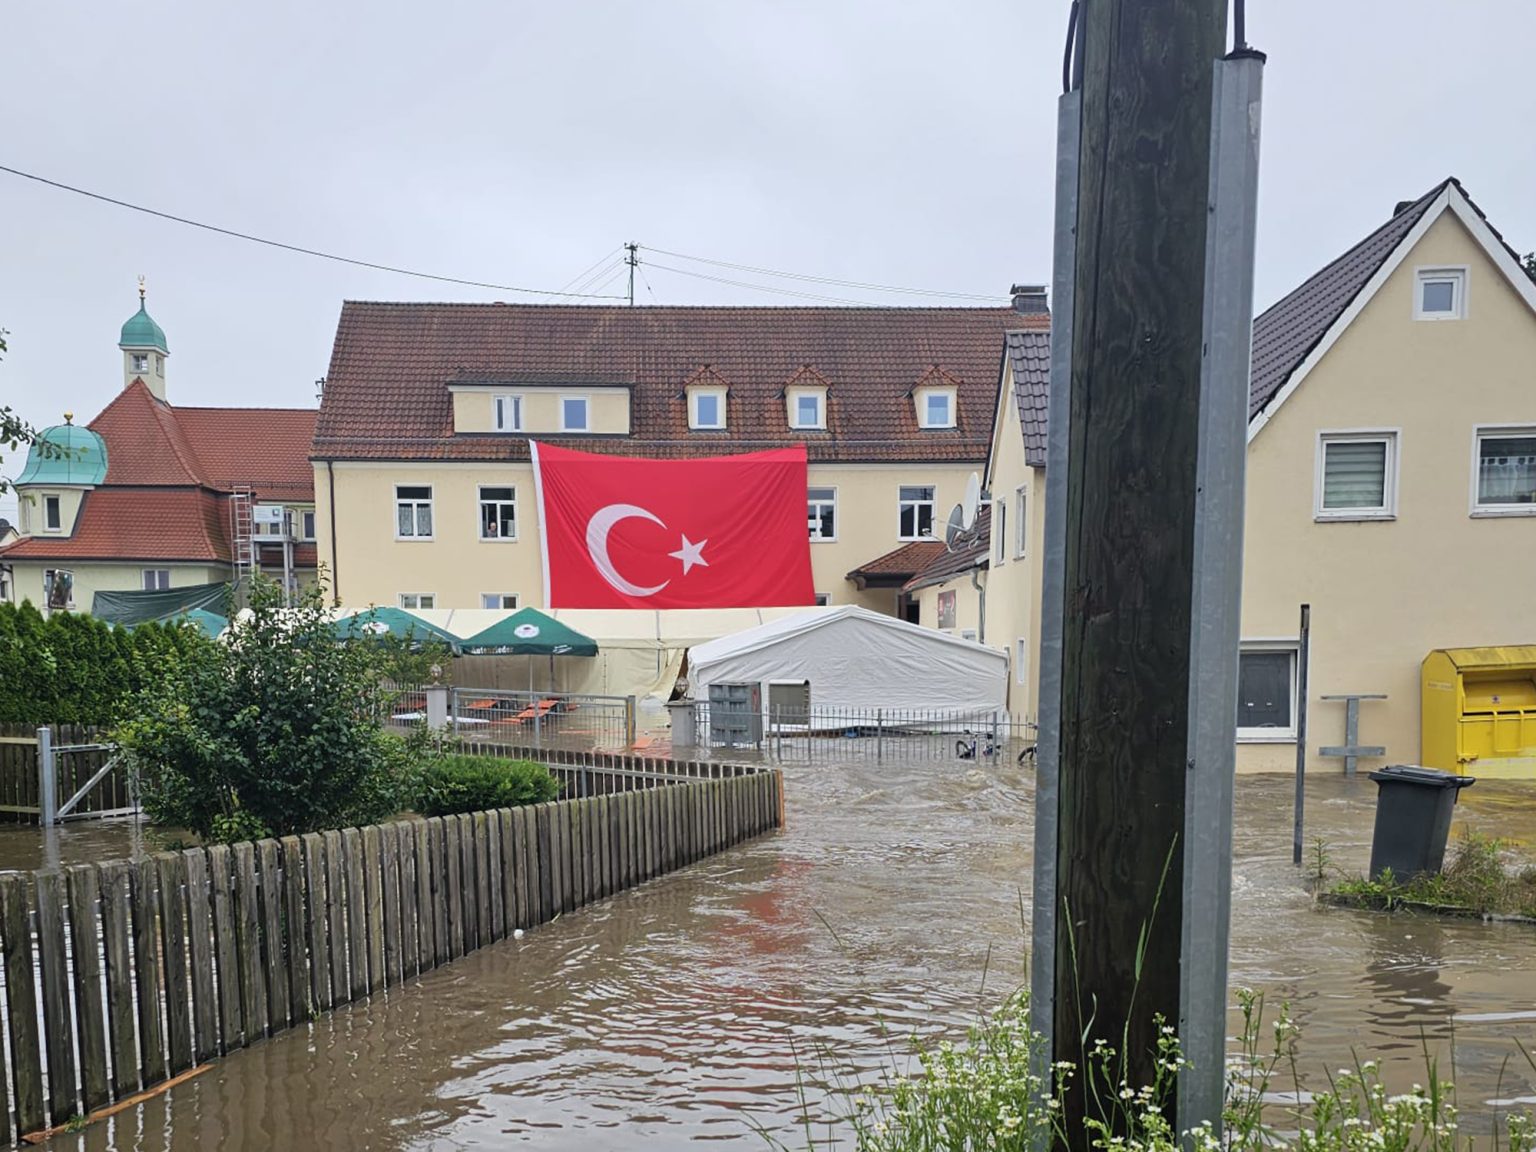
(632, 257)
(1156, 187)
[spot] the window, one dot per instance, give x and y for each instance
(1021, 544)
(307, 524)
(59, 588)
(507, 413)
(53, 518)
(937, 410)
(1440, 294)
(1021, 661)
(1266, 693)
(823, 599)
(1506, 472)
(821, 513)
(498, 513)
(805, 409)
(1000, 529)
(946, 609)
(915, 511)
(573, 414)
(157, 579)
(1357, 476)
(498, 600)
(708, 410)
(139, 360)
(159, 364)
(413, 512)
(418, 600)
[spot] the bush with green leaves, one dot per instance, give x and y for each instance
(455, 784)
(276, 729)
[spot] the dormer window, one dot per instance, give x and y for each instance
(573, 414)
(53, 518)
(159, 364)
(1440, 294)
(507, 413)
(807, 410)
(139, 360)
(936, 409)
(706, 408)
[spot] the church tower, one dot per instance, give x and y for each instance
(144, 350)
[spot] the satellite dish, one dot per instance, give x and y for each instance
(954, 528)
(971, 504)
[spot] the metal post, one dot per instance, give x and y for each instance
(1301, 731)
(879, 734)
(1216, 618)
(47, 780)
(631, 712)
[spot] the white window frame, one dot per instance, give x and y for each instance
(58, 506)
(138, 361)
(933, 511)
(307, 524)
(586, 409)
(823, 599)
(923, 420)
(159, 364)
(417, 598)
(504, 404)
(836, 519)
(1000, 531)
(501, 599)
(480, 504)
(1457, 275)
(1021, 662)
(798, 394)
(1272, 735)
(415, 503)
(694, 420)
(1495, 431)
(1021, 522)
(156, 586)
(1392, 437)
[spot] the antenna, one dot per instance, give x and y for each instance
(632, 258)
(970, 506)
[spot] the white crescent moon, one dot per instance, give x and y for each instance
(598, 527)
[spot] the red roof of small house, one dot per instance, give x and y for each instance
(137, 523)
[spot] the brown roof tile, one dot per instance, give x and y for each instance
(946, 564)
(1030, 354)
(900, 563)
(132, 523)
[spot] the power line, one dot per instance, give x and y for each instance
(294, 247)
(588, 283)
(759, 287)
(603, 259)
(825, 279)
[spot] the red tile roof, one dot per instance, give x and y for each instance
(386, 393)
(131, 523)
(947, 565)
(899, 564)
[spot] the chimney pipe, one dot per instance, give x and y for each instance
(1029, 298)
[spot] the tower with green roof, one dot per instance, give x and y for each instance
(62, 464)
(144, 349)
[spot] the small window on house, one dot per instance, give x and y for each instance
(573, 414)
(498, 513)
(1266, 693)
(823, 599)
(418, 600)
(1506, 471)
(821, 513)
(1440, 294)
(139, 360)
(946, 610)
(53, 519)
(807, 410)
(159, 364)
(59, 588)
(938, 410)
(507, 413)
(708, 410)
(413, 512)
(1021, 661)
(307, 524)
(1000, 530)
(1357, 476)
(915, 511)
(1020, 532)
(157, 579)
(498, 600)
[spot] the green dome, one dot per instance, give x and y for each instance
(65, 454)
(142, 332)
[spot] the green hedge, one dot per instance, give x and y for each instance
(75, 669)
(456, 784)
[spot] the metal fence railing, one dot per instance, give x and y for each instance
(811, 734)
(543, 719)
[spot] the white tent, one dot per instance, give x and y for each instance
(851, 659)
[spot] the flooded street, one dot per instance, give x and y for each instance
(681, 1010)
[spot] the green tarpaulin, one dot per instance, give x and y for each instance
(130, 608)
(529, 633)
(210, 622)
(392, 622)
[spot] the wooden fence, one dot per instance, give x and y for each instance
(145, 970)
(20, 800)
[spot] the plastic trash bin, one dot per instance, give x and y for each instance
(1413, 818)
(685, 728)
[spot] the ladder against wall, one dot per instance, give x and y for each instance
(242, 535)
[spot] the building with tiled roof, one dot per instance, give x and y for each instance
(150, 497)
(428, 410)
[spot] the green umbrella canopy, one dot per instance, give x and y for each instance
(392, 622)
(530, 633)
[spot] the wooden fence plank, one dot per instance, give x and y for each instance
(541, 849)
(271, 888)
(454, 887)
(58, 1023)
(591, 843)
(226, 951)
(336, 919)
(115, 927)
(253, 978)
(373, 898)
(427, 912)
(496, 927)
(172, 869)
(410, 903)
(200, 956)
(483, 902)
(579, 830)
(510, 872)
(317, 917)
(21, 997)
(357, 916)
(295, 930)
(438, 841)
(145, 892)
(389, 863)
(468, 878)
(90, 1006)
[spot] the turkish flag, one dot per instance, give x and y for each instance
(718, 532)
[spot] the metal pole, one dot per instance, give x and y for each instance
(47, 780)
(630, 721)
(879, 734)
(1301, 730)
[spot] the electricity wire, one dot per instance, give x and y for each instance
(823, 279)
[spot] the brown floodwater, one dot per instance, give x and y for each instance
(692, 1008)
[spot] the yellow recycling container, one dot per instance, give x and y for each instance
(1479, 711)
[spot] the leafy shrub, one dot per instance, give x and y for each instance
(455, 784)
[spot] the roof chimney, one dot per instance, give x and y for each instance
(1029, 298)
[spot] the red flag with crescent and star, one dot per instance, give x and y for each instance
(716, 532)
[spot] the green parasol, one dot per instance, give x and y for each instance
(528, 632)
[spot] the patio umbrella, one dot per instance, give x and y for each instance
(388, 621)
(528, 632)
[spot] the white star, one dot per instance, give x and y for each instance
(691, 554)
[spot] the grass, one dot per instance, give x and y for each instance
(1485, 877)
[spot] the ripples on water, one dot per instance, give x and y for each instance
(686, 1010)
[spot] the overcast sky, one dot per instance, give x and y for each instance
(894, 142)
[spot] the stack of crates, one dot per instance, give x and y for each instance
(735, 714)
